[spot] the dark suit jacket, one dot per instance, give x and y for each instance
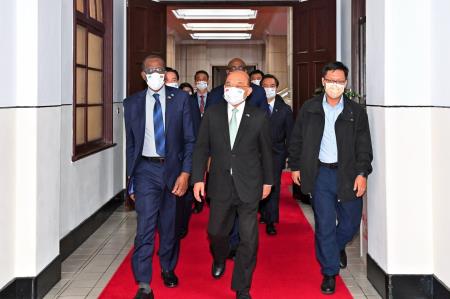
(250, 158)
(257, 98)
(281, 123)
(180, 138)
(196, 115)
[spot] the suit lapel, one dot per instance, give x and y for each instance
(225, 124)
(142, 118)
(276, 108)
(243, 125)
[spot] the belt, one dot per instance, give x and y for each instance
(329, 165)
(154, 159)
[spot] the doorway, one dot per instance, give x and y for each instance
(312, 44)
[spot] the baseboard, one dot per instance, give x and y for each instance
(77, 236)
(34, 287)
(397, 286)
(37, 287)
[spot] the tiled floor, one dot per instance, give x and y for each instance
(87, 271)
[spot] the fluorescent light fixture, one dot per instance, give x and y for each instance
(211, 14)
(219, 26)
(222, 35)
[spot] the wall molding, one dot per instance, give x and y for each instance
(398, 286)
(36, 287)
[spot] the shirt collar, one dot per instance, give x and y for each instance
(340, 104)
(161, 92)
(240, 107)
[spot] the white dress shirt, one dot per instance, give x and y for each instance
(149, 148)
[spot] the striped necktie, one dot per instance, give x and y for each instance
(158, 127)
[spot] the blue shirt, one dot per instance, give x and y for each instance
(149, 148)
(328, 146)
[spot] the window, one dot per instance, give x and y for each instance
(92, 103)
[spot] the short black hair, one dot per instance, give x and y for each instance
(171, 70)
(333, 66)
(185, 84)
(269, 76)
(201, 72)
(256, 72)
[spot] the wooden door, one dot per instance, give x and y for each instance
(146, 34)
(314, 45)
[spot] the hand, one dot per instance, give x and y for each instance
(132, 197)
(360, 185)
(199, 191)
(296, 177)
(181, 184)
(266, 190)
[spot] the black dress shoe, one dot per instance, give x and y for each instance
(183, 233)
(243, 295)
(262, 220)
(217, 270)
(141, 294)
(328, 285)
(270, 229)
(169, 278)
(343, 259)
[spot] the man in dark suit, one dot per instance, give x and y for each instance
(236, 136)
(281, 123)
(200, 102)
(159, 144)
(257, 98)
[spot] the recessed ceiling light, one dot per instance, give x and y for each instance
(210, 14)
(219, 26)
(222, 35)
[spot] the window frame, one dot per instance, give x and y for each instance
(104, 30)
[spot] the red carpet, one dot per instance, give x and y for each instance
(286, 267)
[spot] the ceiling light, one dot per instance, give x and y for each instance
(219, 26)
(221, 35)
(210, 14)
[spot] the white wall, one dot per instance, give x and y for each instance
(440, 64)
(344, 33)
(407, 62)
(45, 194)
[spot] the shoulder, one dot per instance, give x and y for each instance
(176, 93)
(282, 104)
(130, 100)
(256, 111)
(354, 105)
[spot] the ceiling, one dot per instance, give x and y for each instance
(269, 21)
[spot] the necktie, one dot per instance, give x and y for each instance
(269, 110)
(158, 127)
(233, 126)
(202, 104)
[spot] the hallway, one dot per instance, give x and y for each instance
(87, 271)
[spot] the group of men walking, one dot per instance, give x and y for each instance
(238, 136)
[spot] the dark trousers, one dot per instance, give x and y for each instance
(221, 220)
(184, 211)
(270, 210)
(155, 208)
(331, 238)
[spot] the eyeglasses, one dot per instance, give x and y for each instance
(236, 68)
(334, 81)
(159, 70)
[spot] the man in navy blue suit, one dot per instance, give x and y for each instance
(281, 123)
(159, 144)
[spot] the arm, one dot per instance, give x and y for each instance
(129, 147)
(188, 135)
(265, 147)
(288, 124)
(296, 143)
(363, 145)
(201, 151)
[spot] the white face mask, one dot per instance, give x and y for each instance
(256, 82)
(155, 81)
(271, 92)
(172, 84)
(234, 96)
(201, 85)
(334, 90)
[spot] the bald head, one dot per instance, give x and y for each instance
(236, 64)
